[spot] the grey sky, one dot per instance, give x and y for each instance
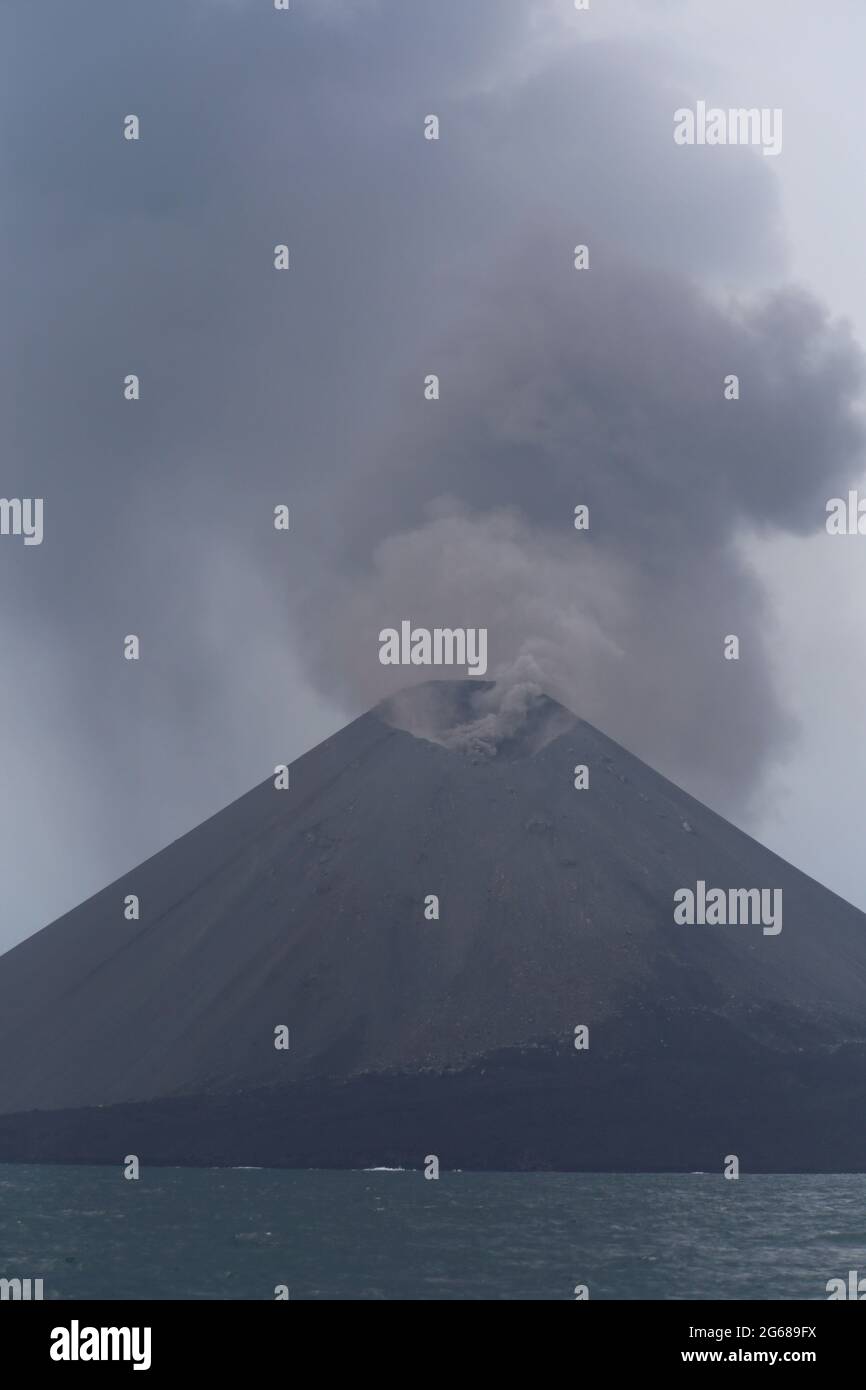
(409, 257)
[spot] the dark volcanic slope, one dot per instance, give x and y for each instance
(306, 908)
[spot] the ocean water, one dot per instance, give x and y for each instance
(238, 1233)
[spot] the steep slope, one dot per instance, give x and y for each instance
(306, 907)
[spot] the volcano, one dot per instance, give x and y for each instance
(469, 947)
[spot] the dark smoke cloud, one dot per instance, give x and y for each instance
(603, 387)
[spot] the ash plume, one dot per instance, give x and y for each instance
(604, 388)
(480, 719)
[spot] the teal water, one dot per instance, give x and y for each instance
(237, 1233)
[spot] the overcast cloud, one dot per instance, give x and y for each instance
(558, 387)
